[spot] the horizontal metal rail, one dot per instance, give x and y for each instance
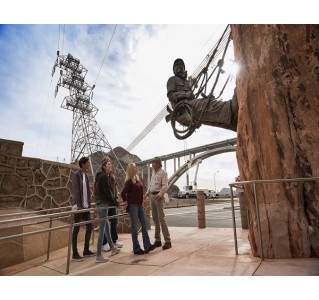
(34, 211)
(42, 211)
(254, 183)
(60, 215)
(40, 215)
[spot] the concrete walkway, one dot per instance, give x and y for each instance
(195, 252)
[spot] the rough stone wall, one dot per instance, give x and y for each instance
(32, 183)
(37, 184)
(278, 136)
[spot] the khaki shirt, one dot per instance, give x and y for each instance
(159, 183)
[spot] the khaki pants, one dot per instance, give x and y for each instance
(159, 220)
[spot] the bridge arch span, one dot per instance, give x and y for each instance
(194, 154)
(193, 161)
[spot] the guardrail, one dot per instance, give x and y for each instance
(52, 216)
(254, 183)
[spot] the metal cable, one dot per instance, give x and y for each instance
(148, 128)
(63, 38)
(183, 106)
(107, 49)
(45, 109)
(214, 52)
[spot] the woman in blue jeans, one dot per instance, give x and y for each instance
(103, 192)
(133, 194)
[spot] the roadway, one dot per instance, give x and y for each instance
(218, 215)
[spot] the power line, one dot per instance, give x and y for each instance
(160, 116)
(63, 38)
(59, 39)
(107, 49)
(46, 103)
(53, 106)
(45, 109)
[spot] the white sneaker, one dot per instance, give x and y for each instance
(115, 251)
(106, 247)
(118, 244)
(101, 259)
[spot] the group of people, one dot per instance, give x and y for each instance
(106, 195)
(208, 111)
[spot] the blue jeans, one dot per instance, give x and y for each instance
(137, 213)
(104, 228)
(112, 212)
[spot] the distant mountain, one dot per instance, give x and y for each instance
(119, 165)
(124, 158)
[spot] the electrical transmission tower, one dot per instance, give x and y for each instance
(87, 137)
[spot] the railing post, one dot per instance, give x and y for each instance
(243, 210)
(234, 219)
(258, 224)
(69, 244)
(201, 209)
(49, 240)
(93, 224)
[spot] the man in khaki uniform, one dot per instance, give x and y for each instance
(157, 188)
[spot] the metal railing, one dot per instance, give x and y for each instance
(254, 183)
(38, 219)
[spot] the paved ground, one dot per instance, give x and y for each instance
(195, 252)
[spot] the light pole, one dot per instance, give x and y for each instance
(215, 181)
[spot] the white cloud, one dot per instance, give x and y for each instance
(130, 89)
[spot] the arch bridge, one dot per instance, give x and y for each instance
(194, 154)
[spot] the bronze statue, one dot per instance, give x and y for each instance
(207, 110)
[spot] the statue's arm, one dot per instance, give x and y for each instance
(174, 95)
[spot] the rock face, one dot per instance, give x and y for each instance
(278, 136)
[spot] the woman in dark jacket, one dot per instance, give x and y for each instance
(104, 198)
(133, 194)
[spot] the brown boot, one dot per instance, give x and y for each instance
(158, 243)
(167, 246)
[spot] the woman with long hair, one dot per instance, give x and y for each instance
(104, 194)
(132, 193)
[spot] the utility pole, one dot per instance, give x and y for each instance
(215, 182)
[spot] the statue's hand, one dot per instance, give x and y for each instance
(189, 95)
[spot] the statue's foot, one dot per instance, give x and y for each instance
(184, 119)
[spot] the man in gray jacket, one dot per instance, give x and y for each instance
(81, 199)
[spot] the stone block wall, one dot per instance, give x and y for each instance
(36, 184)
(32, 183)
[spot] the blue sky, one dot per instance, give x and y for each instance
(130, 89)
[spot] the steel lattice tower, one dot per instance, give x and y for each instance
(87, 137)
